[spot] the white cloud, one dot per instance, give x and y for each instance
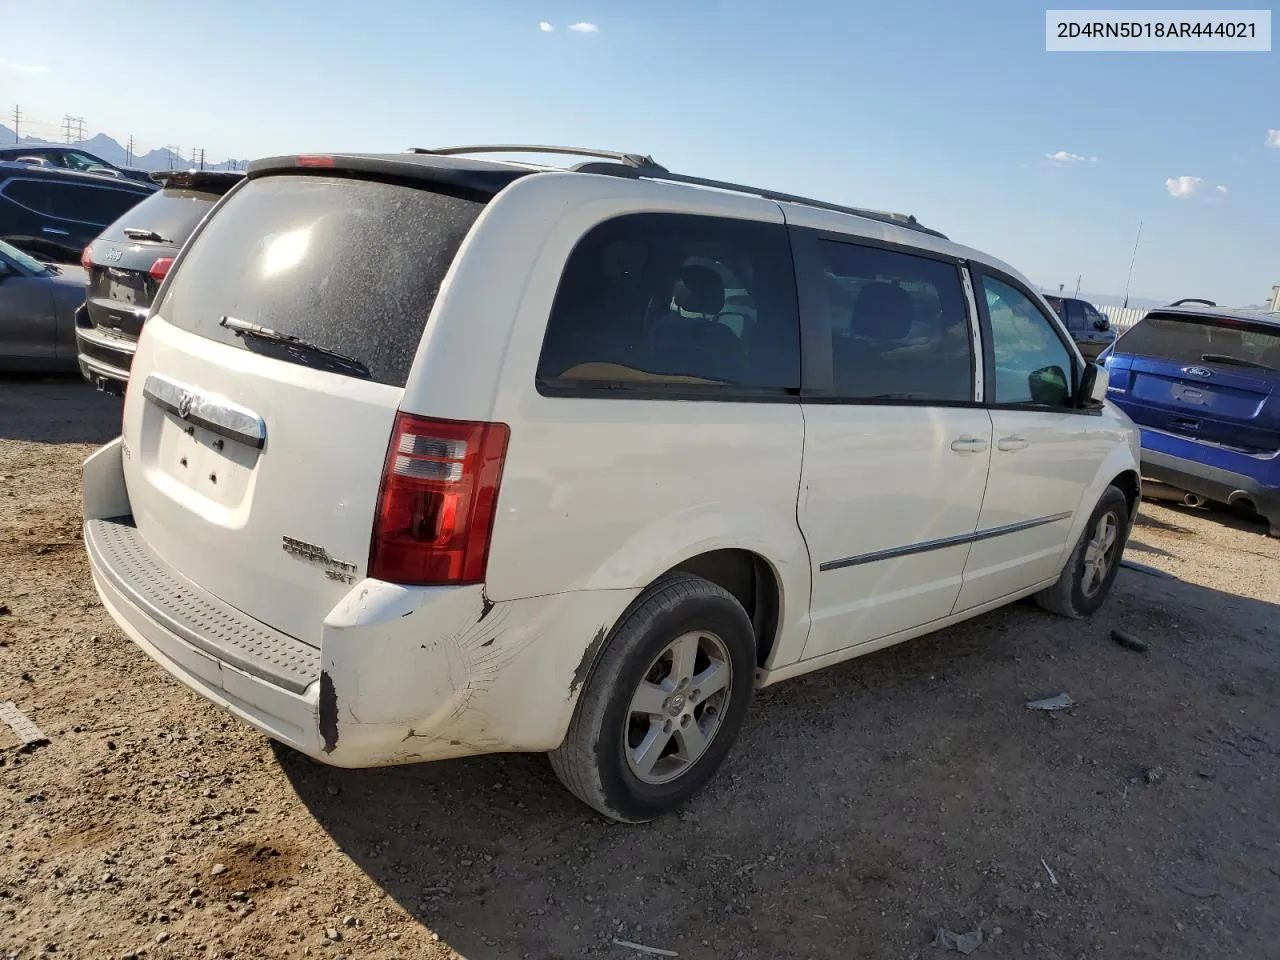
(1182, 186)
(22, 67)
(545, 27)
(1220, 188)
(1062, 156)
(1273, 138)
(584, 27)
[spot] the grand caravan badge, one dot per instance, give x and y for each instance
(338, 570)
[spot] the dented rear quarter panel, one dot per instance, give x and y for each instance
(414, 674)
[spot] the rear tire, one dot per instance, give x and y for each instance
(664, 704)
(1091, 569)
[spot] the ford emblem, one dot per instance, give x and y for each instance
(1200, 372)
(184, 405)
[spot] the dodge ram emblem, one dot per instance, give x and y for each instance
(184, 405)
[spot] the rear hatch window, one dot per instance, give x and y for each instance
(334, 273)
(166, 217)
(1203, 340)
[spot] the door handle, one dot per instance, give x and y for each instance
(1013, 443)
(55, 231)
(969, 445)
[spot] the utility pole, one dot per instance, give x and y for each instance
(175, 153)
(17, 124)
(200, 152)
(1079, 277)
(72, 128)
(1136, 241)
(128, 152)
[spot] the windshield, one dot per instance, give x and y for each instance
(1203, 340)
(22, 260)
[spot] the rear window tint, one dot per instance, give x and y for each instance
(174, 214)
(678, 304)
(350, 266)
(1202, 340)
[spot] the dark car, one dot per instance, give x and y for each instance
(1088, 327)
(71, 158)
(37, 309)
(1203, 383)
(126, 265)
(51, 214)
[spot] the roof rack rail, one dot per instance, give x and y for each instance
(627, 159)
(640, 173)
(640, 167)
(1207, 303)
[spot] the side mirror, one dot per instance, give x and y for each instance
(1093, 385)
(1101, 324)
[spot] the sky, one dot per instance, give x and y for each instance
(951, 111)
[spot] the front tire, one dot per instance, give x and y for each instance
(664, 704)
(1091, 569)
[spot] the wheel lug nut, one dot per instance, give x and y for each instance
(684, 721)
(666, 727)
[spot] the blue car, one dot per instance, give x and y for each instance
(1203, 384)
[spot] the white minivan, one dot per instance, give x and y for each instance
(425, 455)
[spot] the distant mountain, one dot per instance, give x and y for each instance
(110, 150)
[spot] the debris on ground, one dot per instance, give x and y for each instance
(1052, 879)
(964, 943)
(4, 610)
(1153, 774)
(655, 951)
(1143, 568)
(1194, 890)
(28, 732)
(1129, 641)
(1060, 702)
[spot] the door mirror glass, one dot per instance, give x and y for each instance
(1093, 384)
(1101, 324)
(1048, 386)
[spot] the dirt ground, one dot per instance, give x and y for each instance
(865, 806)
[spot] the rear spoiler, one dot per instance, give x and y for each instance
(209, 181)
(481, 182)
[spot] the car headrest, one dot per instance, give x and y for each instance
(699, 290)
(883, 310)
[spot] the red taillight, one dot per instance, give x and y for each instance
(160, 269)
(438, 500)
(313, 161)
(86, 261)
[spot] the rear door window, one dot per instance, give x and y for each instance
(898, 323)
(350, 266)
(1203, 340)
(72, 201)
(676, 304)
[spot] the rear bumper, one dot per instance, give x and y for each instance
(104, 358)
(1181, 463)
(397, 675)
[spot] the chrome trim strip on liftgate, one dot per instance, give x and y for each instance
(214, 413)
(942, 543)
